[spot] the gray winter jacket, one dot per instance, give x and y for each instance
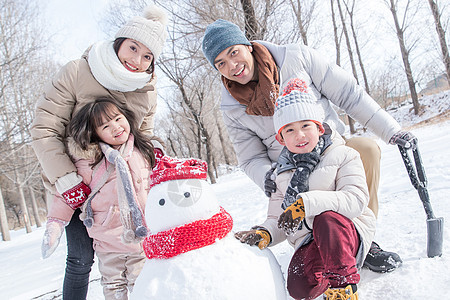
(253, 137)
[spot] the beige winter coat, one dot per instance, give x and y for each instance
(337, 183)
(72, 88)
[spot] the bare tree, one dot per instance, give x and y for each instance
(336, 37)
(350, 11)
(4, 219)
(228, 152)
(303, 11)
(441, 33)
(251, 25)
(351, 122)
(21, 83)
(400, 29)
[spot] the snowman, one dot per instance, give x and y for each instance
(191, 251)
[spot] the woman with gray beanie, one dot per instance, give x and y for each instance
(123, 69)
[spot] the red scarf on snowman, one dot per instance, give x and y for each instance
(198, 234)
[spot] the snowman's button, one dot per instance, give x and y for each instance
(187, 194)
(162, 202)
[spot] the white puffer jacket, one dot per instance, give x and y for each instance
(253, 137)
(338, 184)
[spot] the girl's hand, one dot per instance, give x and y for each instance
(53, 232)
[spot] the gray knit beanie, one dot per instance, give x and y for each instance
(149, 29)
(220, 35)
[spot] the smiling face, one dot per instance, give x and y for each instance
(237, 63)
(300, 136)
(134, 56)
(114, 131)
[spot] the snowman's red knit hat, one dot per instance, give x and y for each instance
(168, 168)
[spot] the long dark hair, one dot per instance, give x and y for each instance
(83, 124)
(116, 46)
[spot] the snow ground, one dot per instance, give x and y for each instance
(401, 225)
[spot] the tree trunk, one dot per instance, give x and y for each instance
(223, 143)
(4, 219)
(351, 122)
(37, 218)
(441, 34)
(23, 207)
(336, 38)
(355, 39)
(405, 57)
(251, 25)
(172, 146)
(298, 15)
(203, 134)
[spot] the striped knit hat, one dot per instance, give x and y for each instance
(297, 103)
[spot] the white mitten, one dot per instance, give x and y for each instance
(52, 235)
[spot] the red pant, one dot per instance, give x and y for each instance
(327, 261)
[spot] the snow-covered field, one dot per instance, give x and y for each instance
(401, 225)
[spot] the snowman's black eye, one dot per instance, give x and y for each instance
(162, 202)
(187, 194)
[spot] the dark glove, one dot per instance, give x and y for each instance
(260, 237)
(404, 139)
(269, 181)
(290, 219)
(76, 196)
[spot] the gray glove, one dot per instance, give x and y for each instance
(269, 181)
(404, 139)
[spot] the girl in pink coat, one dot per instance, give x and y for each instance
(114, 159)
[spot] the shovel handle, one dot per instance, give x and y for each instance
(418, 178)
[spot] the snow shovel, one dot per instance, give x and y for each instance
(435, 226)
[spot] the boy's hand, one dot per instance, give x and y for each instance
(52, 235)
(291, 218)
(269, 181)
(260, 237)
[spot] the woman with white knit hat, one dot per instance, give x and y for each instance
(123, 69)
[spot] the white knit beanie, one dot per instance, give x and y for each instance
(149, 29)
(297, 103)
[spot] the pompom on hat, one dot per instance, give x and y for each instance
(297, 103)
(149, 29)
(220, 35)
(168, 168)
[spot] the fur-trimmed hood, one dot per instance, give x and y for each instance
(76, 152)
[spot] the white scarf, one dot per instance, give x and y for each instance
(109, 71)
